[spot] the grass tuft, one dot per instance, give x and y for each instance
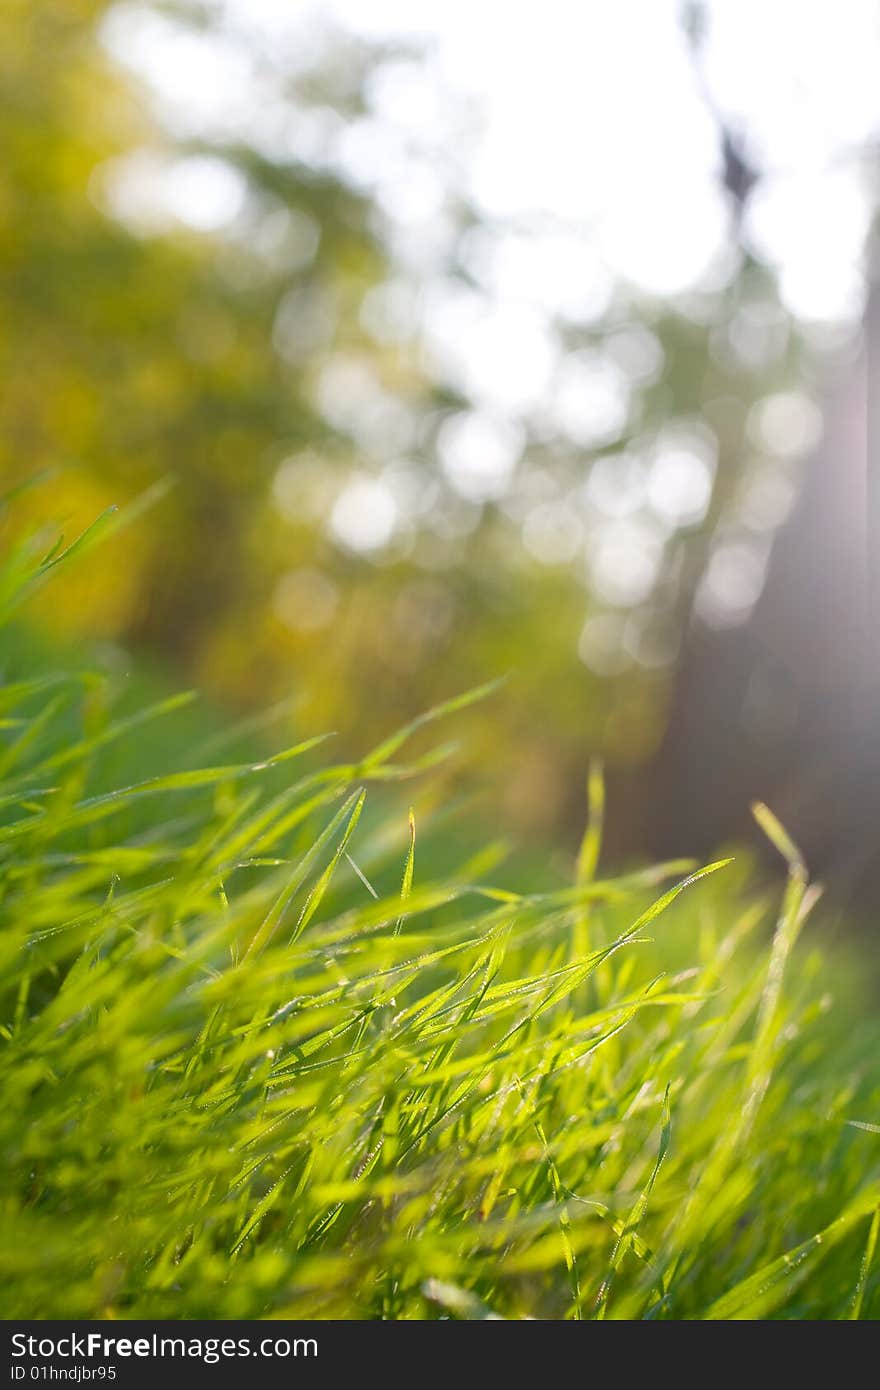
(249, 1072)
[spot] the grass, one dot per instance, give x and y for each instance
(257, 1061)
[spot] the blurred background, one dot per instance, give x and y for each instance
(524, 339)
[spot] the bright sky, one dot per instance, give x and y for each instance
(589, 115)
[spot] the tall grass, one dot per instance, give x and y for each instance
(257, 1061)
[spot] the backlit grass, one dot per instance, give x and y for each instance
(237, 1084)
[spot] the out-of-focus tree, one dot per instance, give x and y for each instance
(138, 348)
(781, 703)
(412, 444)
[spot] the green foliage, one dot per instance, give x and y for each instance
(135, 350)
(236, 1084)
(148, 351)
